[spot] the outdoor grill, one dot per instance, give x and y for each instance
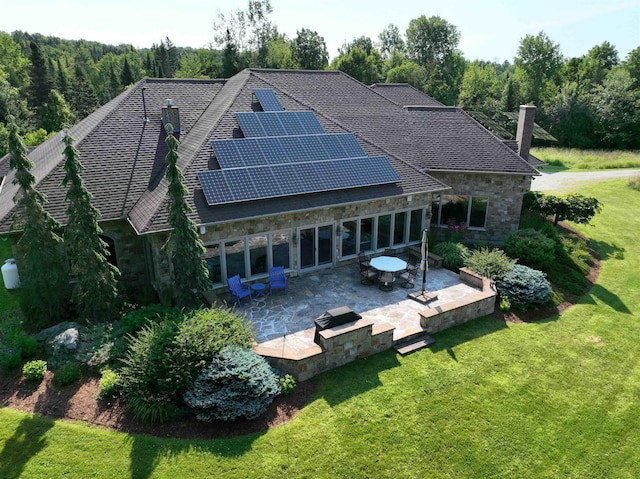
(334, 317)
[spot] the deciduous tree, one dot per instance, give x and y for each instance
(538, 67)
(309, 50)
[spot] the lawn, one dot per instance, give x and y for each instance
(563, 159)
(557, 398)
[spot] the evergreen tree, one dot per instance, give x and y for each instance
(62, 82)
(41, 83)
(56, 113)
(84, 98)
(190, 274)
(43, 267)
(230, 58)
(96, 288)
(126, 78)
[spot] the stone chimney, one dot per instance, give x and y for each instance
(171, 114)
(524, 133)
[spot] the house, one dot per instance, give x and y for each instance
(301, 169)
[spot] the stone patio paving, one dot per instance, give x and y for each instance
(281, 318)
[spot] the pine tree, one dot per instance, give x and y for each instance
(126, 78)
(62, 82)
(85, 101)
(43, 267)
(41, 83)
(190, 274)
(230, 57)
(96, 288)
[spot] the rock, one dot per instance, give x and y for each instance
(46, 335)
(66, 340)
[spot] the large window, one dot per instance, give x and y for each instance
(400, 228)
(348, 234)
(366, 234)
(234, 256)
(212, 258)
(258, 254)
(471, 210)
(384, 231)
(281, 250)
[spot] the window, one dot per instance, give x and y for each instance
(212, 258)
(399, 228)
(234, 256)
(471, 210)
(348, 237)
(415, 225)
(280, 249)
(366, 234)
(258, 254)
(384, 231)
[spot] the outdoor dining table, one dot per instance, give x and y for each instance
(388, 264)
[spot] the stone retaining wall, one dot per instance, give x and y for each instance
(345, 343)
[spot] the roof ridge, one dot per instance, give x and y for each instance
(365, 139)
(189, 148)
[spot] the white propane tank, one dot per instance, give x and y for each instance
(10, 274)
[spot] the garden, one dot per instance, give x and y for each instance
(493, 398)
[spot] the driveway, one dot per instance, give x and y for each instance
(563, 182)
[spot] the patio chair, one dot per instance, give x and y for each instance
(366, 274)
(412, 265)
(363, 259)
(407, 278)
(386, 278)
(238, 289)
(277, 279)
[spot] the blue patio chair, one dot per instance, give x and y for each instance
(238, 289)
(277, 279)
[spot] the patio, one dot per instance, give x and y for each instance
(278, 318)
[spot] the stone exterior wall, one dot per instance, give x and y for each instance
(337, 346)
(285, 222)
(505, 201)
(131, 258)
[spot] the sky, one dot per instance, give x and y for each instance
(489, 29)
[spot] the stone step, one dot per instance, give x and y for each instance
(407, 347)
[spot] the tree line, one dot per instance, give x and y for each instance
(592, 101)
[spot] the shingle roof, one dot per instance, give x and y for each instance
(403, 94)
(124, 156)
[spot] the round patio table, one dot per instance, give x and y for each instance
(258, 293)
(388, 264)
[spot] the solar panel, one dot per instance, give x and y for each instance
(268, 100)
(285, 149)
(244, 184)
(278, 123)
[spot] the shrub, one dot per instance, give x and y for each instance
(110, 383)
(492, 264)
(67, 374)
(524, 286)
(287, 384)
(505, 304)
(14, 342)
(34, 370)
(135, 319)
(238, 383)
(531, 247)
(453, 254)
(634, 182)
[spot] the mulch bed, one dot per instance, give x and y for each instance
(80, 401)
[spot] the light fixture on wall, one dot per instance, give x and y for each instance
(203, 230)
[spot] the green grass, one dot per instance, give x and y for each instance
(9, 299)
(563, 159)
(556, 398)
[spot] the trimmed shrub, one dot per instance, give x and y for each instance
(67, 374)
(164, 357)
(492, 264)
(110, 383)
(531, 247)
(287, 384)
(453, 254)
(237, 384)
(34, 370)
(524, 286)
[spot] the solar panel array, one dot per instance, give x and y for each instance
(268, 100)
(278, 123)
(244, 152)
(271, 181)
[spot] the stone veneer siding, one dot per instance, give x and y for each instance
(504, 206)
(287, 221)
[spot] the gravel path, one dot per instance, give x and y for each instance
(568, 181)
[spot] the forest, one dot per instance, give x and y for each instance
(592, 101)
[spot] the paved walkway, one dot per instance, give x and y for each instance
(566, 181)
(310, 295)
